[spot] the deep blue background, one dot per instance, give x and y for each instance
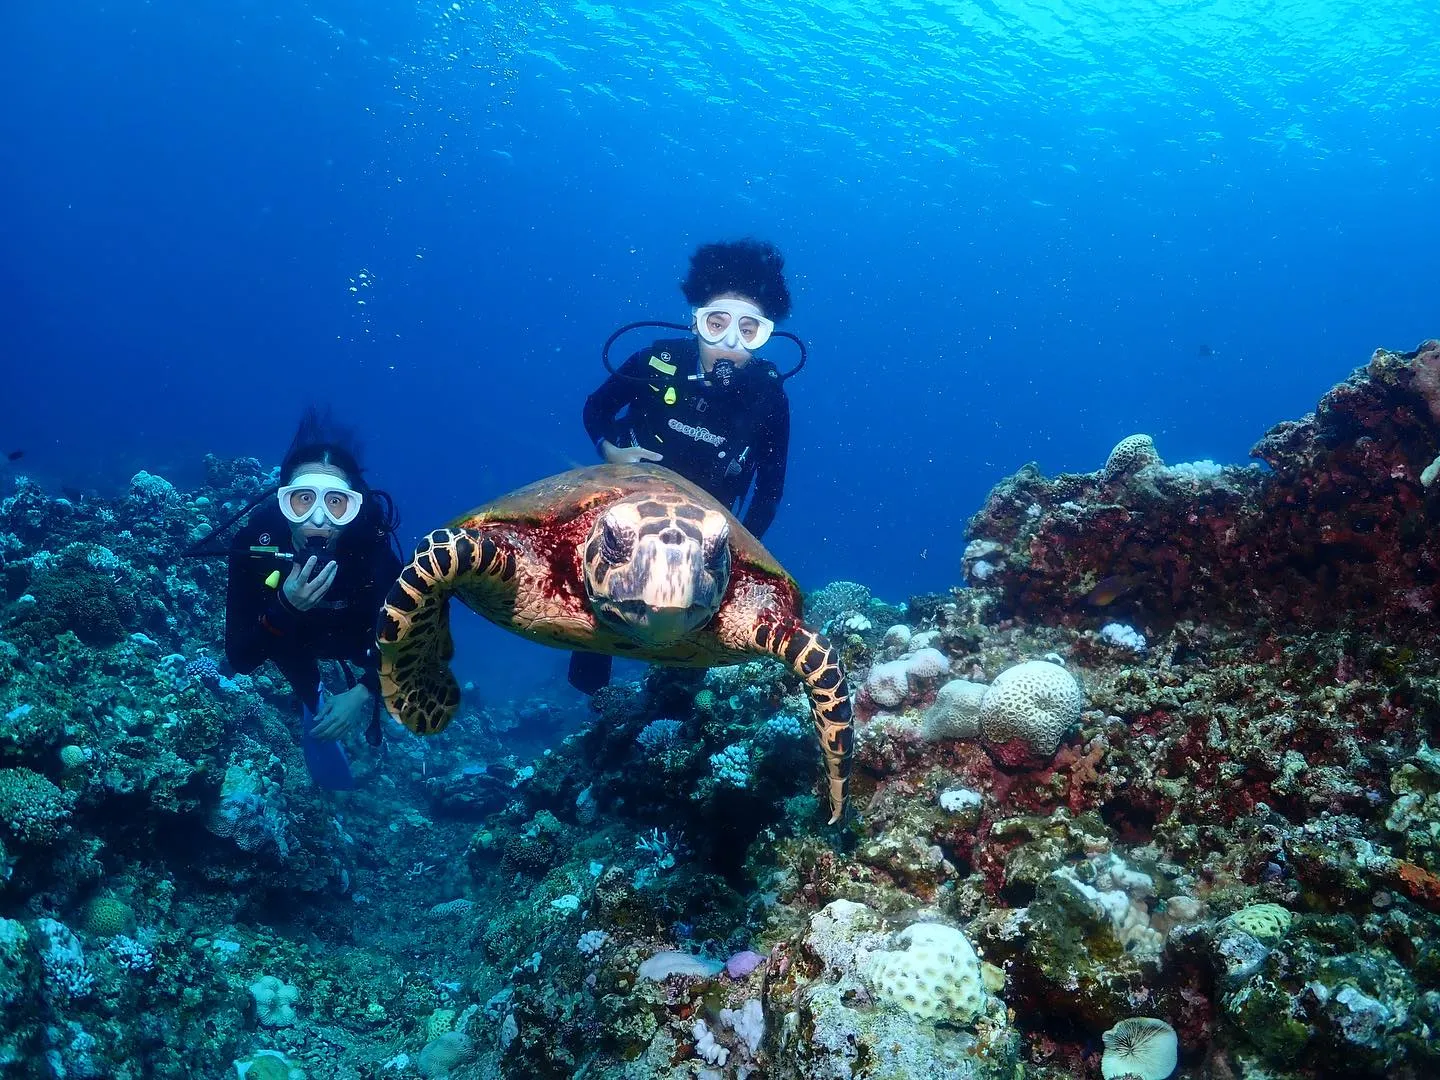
(1013, 233)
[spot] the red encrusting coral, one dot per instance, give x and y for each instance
(1340, 532)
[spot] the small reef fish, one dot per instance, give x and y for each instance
(1109, 589)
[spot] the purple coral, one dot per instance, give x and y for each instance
(743, 963)
(204, 669)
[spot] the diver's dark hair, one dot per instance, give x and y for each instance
(752, 268)
(319, 438)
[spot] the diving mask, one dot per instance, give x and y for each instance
(733, 324)
(318, 498)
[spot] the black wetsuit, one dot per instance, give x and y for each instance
(723, 438)
(260, 625)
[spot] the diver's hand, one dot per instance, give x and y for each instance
(342, 713)
(627, 455)
(303, 591)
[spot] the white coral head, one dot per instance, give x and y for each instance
(274, 1001)
(1140, 1046)
(1028, 708)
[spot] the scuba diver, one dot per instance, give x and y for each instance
(307, 575)
(705, 405)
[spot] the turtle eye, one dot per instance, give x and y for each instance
(717, 558)
(616, 545)
(717, 546)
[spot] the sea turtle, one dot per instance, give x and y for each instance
(629, 560)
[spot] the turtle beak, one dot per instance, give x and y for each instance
(667, 625)
(663, 595)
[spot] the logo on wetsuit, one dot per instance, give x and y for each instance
(699, 434)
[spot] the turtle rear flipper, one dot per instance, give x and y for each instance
(413, 632)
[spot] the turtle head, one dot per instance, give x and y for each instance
(656, 570)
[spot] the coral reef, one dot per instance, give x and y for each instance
(1156, 794)
(1338, 532)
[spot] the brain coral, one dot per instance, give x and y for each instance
(106, 916)
(1131, 454)
(927, 663)
(79, 599)
(956, 712)
(443, 1055)
(891, 683)
(1264, 922)
(935, 975)
(439, 1022)
(1027, 710)
(888, 684)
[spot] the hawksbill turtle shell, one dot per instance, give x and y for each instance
(527, 562)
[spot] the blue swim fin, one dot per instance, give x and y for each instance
(326, 760)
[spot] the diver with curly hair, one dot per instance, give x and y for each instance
(706, 406)
(308, 573)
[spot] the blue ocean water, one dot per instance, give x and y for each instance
(1015, 231)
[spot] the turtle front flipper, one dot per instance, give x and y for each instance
(413, 631)
(815, 660)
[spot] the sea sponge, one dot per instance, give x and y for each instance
(743, 963)
(956, 712)
(933, 975)
(1142, 1047)
(1131, 454)
(446, 1053)
(106, 916)
(671, 962)
(274, 1001)
(1264, 922)
(1027, 710)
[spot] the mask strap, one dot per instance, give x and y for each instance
(610, 341)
